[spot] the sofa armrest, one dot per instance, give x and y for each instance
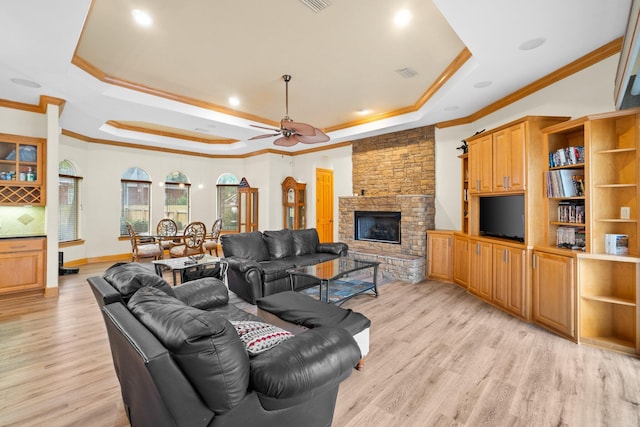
(304, 366)
(338, 248)
(204, 293)
(243, 265)
(245, 278)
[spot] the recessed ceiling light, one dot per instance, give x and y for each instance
(234, 101)
(363, 111)
(451, 108)
(25, 82)
(532, 44)
(402, 18)
(202, 130)
(142, 17)
(482, 84)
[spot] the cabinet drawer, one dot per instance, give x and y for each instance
(21, 245)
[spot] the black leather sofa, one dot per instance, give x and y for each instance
(180, 362)
(258, 261)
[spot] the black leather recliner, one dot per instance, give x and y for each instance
(258, 261)
(180, 362)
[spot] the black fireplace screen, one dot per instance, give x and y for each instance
(377, 226)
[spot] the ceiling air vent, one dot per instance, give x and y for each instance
(316, 5)
(407, 72)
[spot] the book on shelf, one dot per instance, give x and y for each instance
(616, 244)
(566, 156)
(565, 183)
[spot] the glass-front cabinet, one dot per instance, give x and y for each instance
(21, 170)
(294, 203)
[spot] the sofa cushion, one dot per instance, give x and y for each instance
(203, 293)
(128, 277)
(279, 243)
(245, 245)
(277, 269)
(204, 344)
(258, 337)
(305, 241)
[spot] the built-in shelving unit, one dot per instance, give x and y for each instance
(606, 283)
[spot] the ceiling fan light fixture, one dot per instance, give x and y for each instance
(292, 132)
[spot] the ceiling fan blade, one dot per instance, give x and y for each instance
(286, 141)
(318, 136)
(267, 135)
(298, 128)
(267, 128)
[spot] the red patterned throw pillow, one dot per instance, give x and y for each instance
(258, 336)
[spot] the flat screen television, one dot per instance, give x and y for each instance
(502, 216)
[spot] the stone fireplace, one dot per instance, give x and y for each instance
(396, 171)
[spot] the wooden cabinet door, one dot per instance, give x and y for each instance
(508, 279)
(461, 260)
(439, 255)
(509, 159)
(480, 268)
(554, 292)
(22, 265)
(481, 165)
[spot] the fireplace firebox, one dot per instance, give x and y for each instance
(377, 226)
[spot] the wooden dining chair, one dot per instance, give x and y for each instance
(166, 227)
(211, 244)
(141, 247)
(192, 242)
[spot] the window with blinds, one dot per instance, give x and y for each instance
(176, 198)
(227, 196)
(135, 201)
(68, 202)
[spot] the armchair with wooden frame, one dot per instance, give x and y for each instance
(192, 241)
(167, 228)
(211, 244)
(142, 247)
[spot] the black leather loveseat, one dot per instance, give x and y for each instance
(258, 261)
(180, 361)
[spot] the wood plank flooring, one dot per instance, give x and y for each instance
(439, 357)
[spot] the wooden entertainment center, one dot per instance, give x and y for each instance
(561, 277)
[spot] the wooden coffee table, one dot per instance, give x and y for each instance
(338, 278)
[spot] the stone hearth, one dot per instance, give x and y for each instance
(405, 261)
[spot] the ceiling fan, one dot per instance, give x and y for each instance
(292, 132)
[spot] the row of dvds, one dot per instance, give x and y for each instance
(571, 237)
(566, 156)
(565, 183)
(572, 212)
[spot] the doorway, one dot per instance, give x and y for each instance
(324, 204)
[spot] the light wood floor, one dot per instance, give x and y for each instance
(439, 357)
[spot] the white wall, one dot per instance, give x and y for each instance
(587, 92)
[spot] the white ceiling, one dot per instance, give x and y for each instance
(343, 59)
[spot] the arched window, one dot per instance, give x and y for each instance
(135, 200)
(68, 202)
(227, 189)
(176, 198)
